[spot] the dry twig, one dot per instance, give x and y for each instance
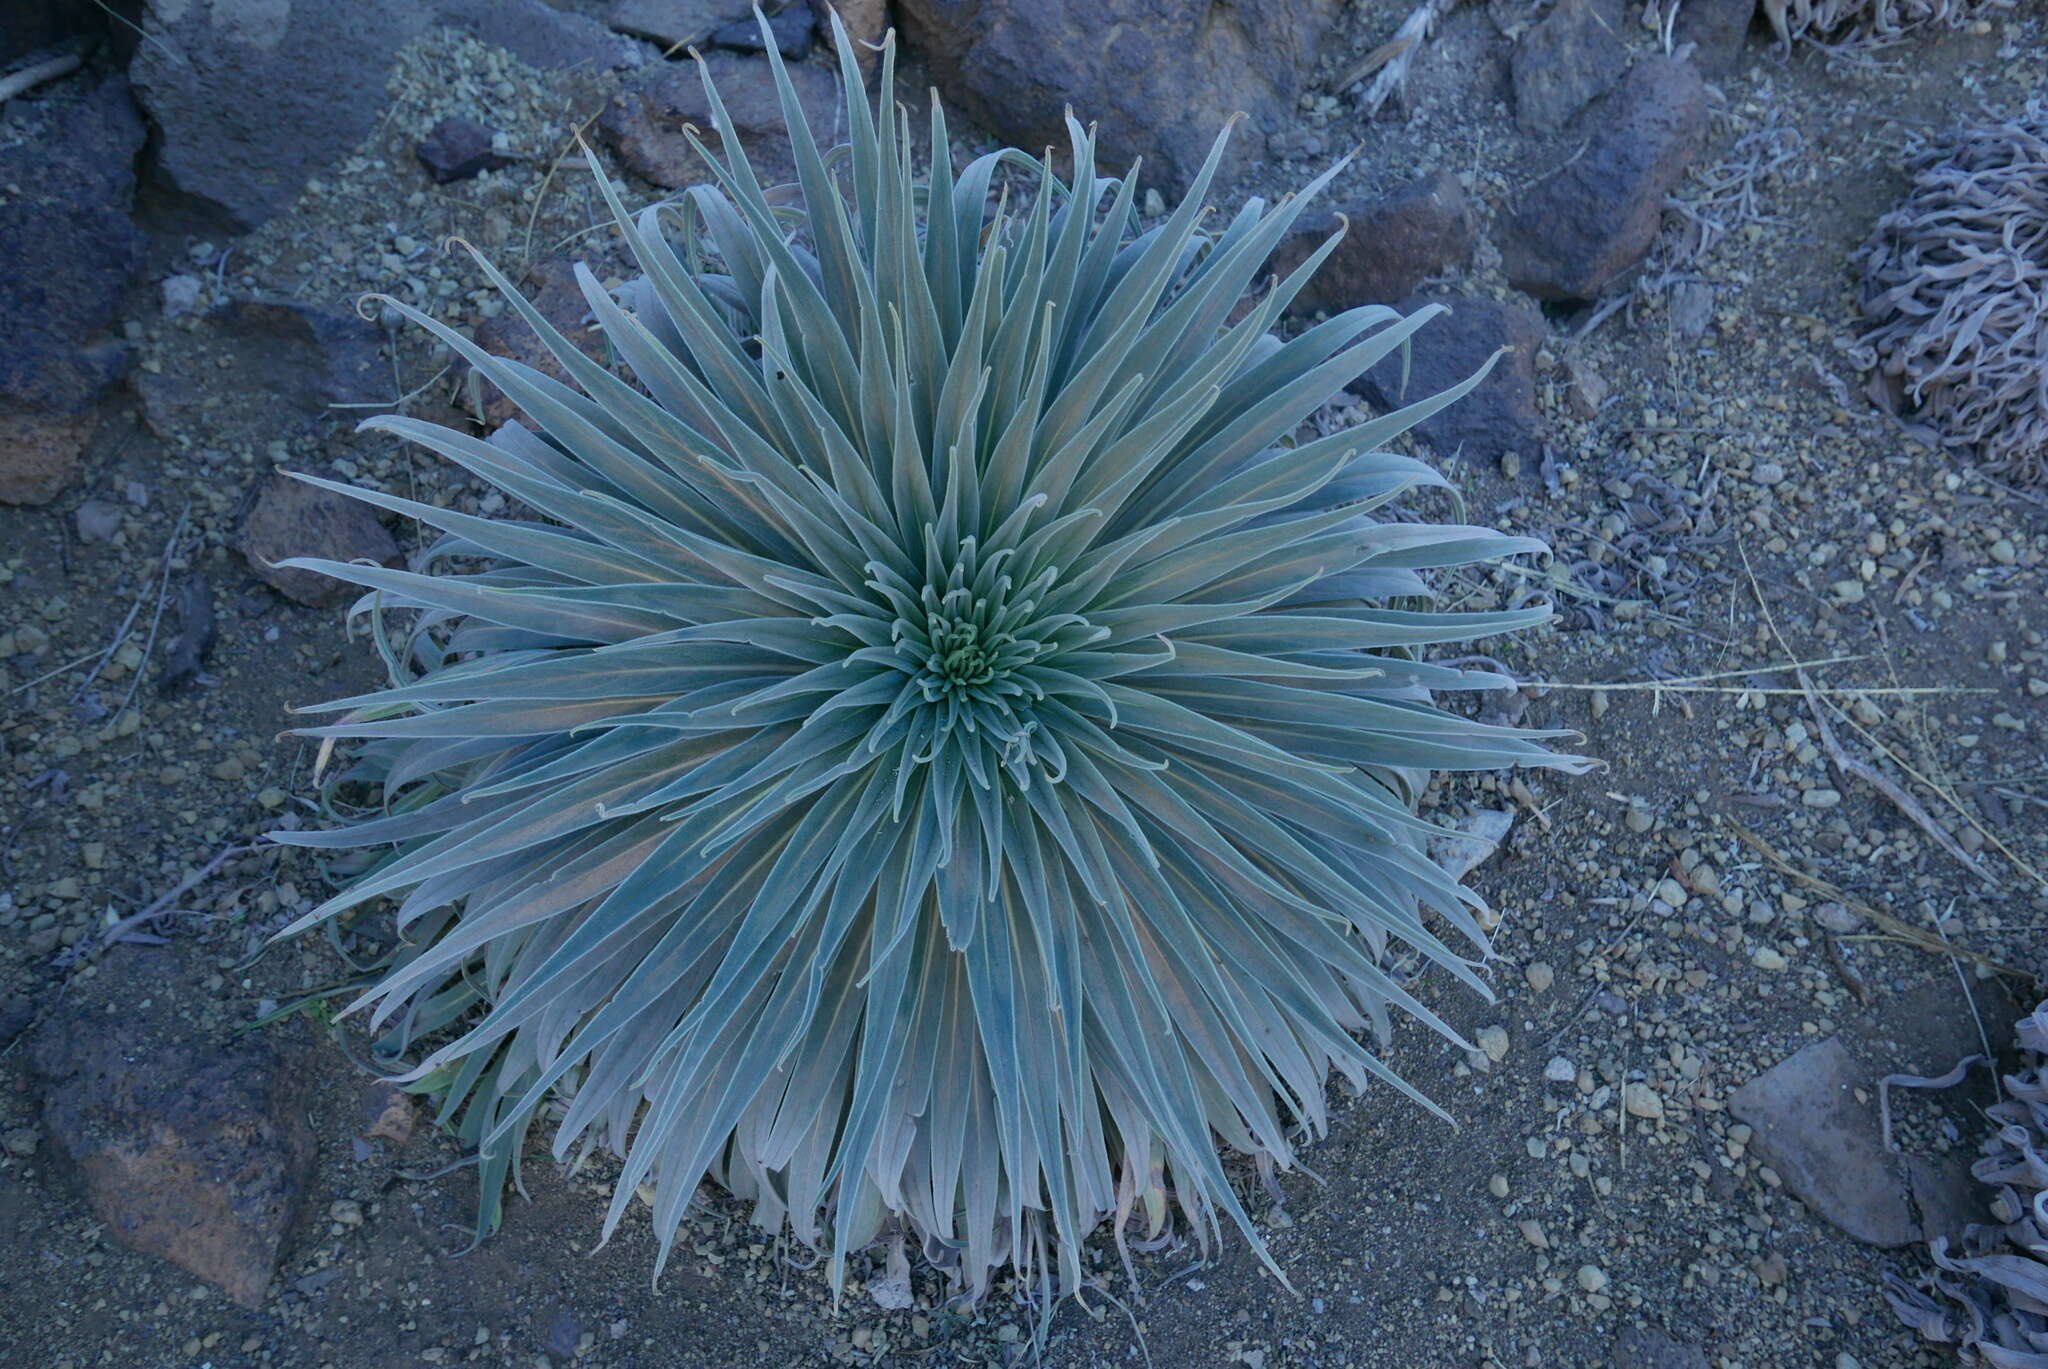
(185, 886)
(1388, 64)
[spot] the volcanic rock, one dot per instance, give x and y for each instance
(1580, 228)
(1159, 77)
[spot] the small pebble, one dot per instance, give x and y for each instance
(1835, 918)
(1494, 1042)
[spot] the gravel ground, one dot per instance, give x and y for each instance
(1670, 925)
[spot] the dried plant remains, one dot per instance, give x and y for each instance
(1955, 285)
(940, 753)
(1990, 1298)
(1829, 23)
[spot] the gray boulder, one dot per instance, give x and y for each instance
(1499, 415)
(1570, 59)
(1581, 228)
(1160, 77)
(71, 252)
(68, 244)
(250, 101)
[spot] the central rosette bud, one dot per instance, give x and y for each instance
(979, 647)
(964, 650)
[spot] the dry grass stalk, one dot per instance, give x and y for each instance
(1898, 929)
(1863, 770)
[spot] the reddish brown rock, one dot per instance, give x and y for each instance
(187, 1151)
(291, 518)
(552, 287)
(1391, 245)
(38, 453)
(389, 1114)
(866, 21)
(645, 122)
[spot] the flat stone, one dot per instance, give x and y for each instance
(1499, 415)
(1568, 60)
(458, 148)
(186, 1150)
(1159, 78)
(1588, 388)
(676, 24)
(1391, 245)
(1691, 307)
(1578, 230)
(288, 360)
(97, 520)
(291, 518)
(1946, 1195)
(1825, 1145)
(1471, 841)
(645, 122)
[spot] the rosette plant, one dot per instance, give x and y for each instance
(936, 751)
